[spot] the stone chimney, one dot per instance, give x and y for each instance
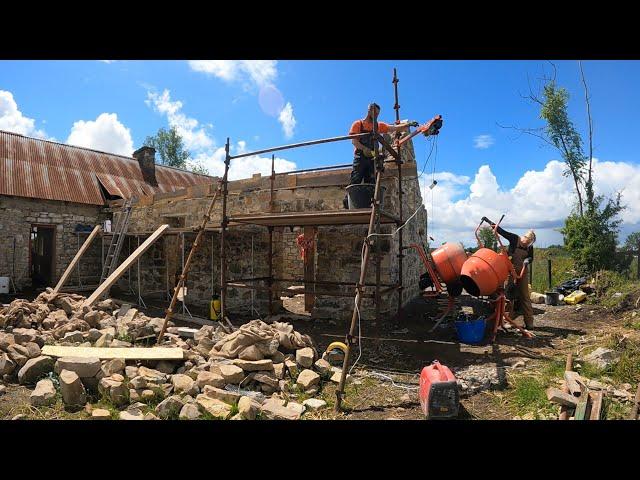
(146, 157)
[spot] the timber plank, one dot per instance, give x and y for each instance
(77, 257)
(574, 382)
(106, 353)
(558, 396)
(596, 404)
(106, 285)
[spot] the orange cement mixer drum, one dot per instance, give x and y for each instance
(484, 272)
(448, 260)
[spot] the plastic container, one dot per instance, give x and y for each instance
(439, 397)
(484, 272)
(551, 298)
(576, 297)
(361, 195)
(471, 331)
(4, 284)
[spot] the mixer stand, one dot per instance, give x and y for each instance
(501, 315)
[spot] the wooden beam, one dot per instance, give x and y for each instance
(76, 259)
(564, 414)
(106, 285)
(558, 396)
(106, 353)
(309, 269)
(636, 401)
(596, 405)
(574, 382)
(581, 409)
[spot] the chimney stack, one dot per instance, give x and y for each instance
(146, 157)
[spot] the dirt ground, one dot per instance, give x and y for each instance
(385, 379)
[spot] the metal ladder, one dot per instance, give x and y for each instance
(117, 239)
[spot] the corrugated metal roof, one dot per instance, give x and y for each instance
(35, 168)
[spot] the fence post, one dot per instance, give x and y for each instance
(638, 264)
(549, 271)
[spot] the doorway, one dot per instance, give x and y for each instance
(42, 255)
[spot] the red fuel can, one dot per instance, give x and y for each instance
(439, 395)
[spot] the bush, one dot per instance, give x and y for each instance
(591, 239)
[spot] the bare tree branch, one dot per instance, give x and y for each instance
(528, 131)
(586, 98)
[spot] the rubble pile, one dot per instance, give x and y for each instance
(254, 371)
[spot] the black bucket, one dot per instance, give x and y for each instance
(551, 298)
(361, 195)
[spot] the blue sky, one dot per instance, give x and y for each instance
(65, 99)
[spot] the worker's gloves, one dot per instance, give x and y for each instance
(413, 124)
(368, 152)
(527, 261)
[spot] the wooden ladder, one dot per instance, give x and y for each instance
(117, 240)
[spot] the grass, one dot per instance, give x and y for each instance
(526, 394)
(561, 268)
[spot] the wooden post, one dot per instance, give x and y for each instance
(564, 411)
(309, 268)
(106, 285)
(76, 259)
(549, 272)
(187, 264)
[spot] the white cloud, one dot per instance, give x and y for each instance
(12, 119)
(252, 72)
(287, 120)
(539, 200)
(483, 141)
(242, 167)
(254, 75)
(106, 133)
(107, 61)
(195, 136)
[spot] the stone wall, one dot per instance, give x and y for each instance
(17, 214)
(338, 249)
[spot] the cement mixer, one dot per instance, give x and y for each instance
(443, 266)
(484, 274)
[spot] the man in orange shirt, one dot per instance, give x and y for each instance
(363, 168)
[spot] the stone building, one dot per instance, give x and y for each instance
(251, 209)
(51, 194)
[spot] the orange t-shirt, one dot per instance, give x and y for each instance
(360, 126)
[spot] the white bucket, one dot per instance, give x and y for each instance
(4, 284)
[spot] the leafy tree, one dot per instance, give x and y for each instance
(632, 242)
(591, 238)
(591, 233)
(170, 146)
(488, 238)
(563, 135)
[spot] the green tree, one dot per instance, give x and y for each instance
(170, 147)
(632, 242)
(487, 238)
(591, 233)
(562, 134)
(591, 238)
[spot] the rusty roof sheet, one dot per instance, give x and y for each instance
(35, 168)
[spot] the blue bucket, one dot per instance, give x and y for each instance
(471, 331)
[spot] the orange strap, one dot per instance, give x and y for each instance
(305, 244)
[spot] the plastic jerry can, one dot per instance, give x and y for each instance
(439, 396)
(576, 297)
(214, 308)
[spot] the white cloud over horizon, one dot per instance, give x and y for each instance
(13, 120)
(483, 142)
(106, 133)
(541, 199)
